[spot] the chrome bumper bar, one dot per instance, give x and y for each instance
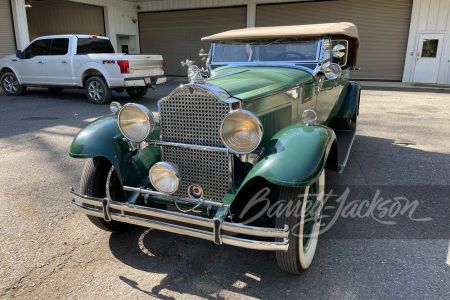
(216, 226)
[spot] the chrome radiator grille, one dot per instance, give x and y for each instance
(195, 119)
(192, 118)
(204, 168)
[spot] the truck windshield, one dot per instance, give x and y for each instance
(94, 45)
(266, 51)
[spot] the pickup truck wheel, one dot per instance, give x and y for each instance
(97, 91)
(304, 225)
(55, 90)
(100, 180)
(138, 92)
(11, 85)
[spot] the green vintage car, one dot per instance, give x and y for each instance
(237, 157)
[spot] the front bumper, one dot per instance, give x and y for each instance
(211, 229)
(144, 81)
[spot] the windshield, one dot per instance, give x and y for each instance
(93, 45)
(270, 51)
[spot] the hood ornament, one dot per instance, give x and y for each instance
(194, 73)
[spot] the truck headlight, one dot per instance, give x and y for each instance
(135, 122)
(165, 177)
(241, 131)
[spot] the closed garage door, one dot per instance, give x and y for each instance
(176, 34)
(7, 44)
(383, 28)
(63, 17)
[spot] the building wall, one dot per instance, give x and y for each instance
(429, 16)
(49, 18)
(119, 16)
(192, 4)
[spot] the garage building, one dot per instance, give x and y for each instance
(393, 34)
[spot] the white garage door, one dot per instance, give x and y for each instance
(7, 44)
(383, 27)
(176, 34)
(63, 17)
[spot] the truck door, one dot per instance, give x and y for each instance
(59, 63)
(32, 66)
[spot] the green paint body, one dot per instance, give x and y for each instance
(294, 154)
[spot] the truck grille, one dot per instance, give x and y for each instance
(195, 119)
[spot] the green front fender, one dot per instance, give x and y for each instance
(296, 156)
(102, 138)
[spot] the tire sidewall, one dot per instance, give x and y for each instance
(306, 257)
(107, 93)
(21, 89)
(142, 91)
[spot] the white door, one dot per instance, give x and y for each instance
(59, 63)
(32, 66)
(428, 57)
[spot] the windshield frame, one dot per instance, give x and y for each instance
(319, 54)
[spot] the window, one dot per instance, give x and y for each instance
(93, 45)
(37, 48)
(59, 47)
(429, 48)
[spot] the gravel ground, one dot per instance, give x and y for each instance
(49, 251)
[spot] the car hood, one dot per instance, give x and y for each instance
(8, 57)
(257, 81)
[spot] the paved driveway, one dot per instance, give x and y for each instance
(390, 249)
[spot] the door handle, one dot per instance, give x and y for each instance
(40, 62)
(65, 62)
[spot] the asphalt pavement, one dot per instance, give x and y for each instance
(387, 219)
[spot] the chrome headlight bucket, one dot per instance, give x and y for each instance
(135, 121)
(241, 131)
(165, 177)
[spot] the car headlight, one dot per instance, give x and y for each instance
(241, 131)
(135, 122)
(165, 177)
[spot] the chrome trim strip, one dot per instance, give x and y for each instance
(214, 235)
(173, 197)
(188, 146)
(268, 64)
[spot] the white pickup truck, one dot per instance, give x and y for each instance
(80, 61)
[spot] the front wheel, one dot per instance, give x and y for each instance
(97, 91)
(304, 225)
(100, 180)
(11, 85)
(138, 92)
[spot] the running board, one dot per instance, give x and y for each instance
(344, 139)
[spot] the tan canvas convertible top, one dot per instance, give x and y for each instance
(342, 28)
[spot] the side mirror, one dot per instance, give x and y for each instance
(339, 51)
(202, 54)
(19, 54)
(333, 71)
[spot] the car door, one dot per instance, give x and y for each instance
(59, 63)
(32, 65)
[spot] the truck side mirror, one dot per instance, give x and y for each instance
(19, 54)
